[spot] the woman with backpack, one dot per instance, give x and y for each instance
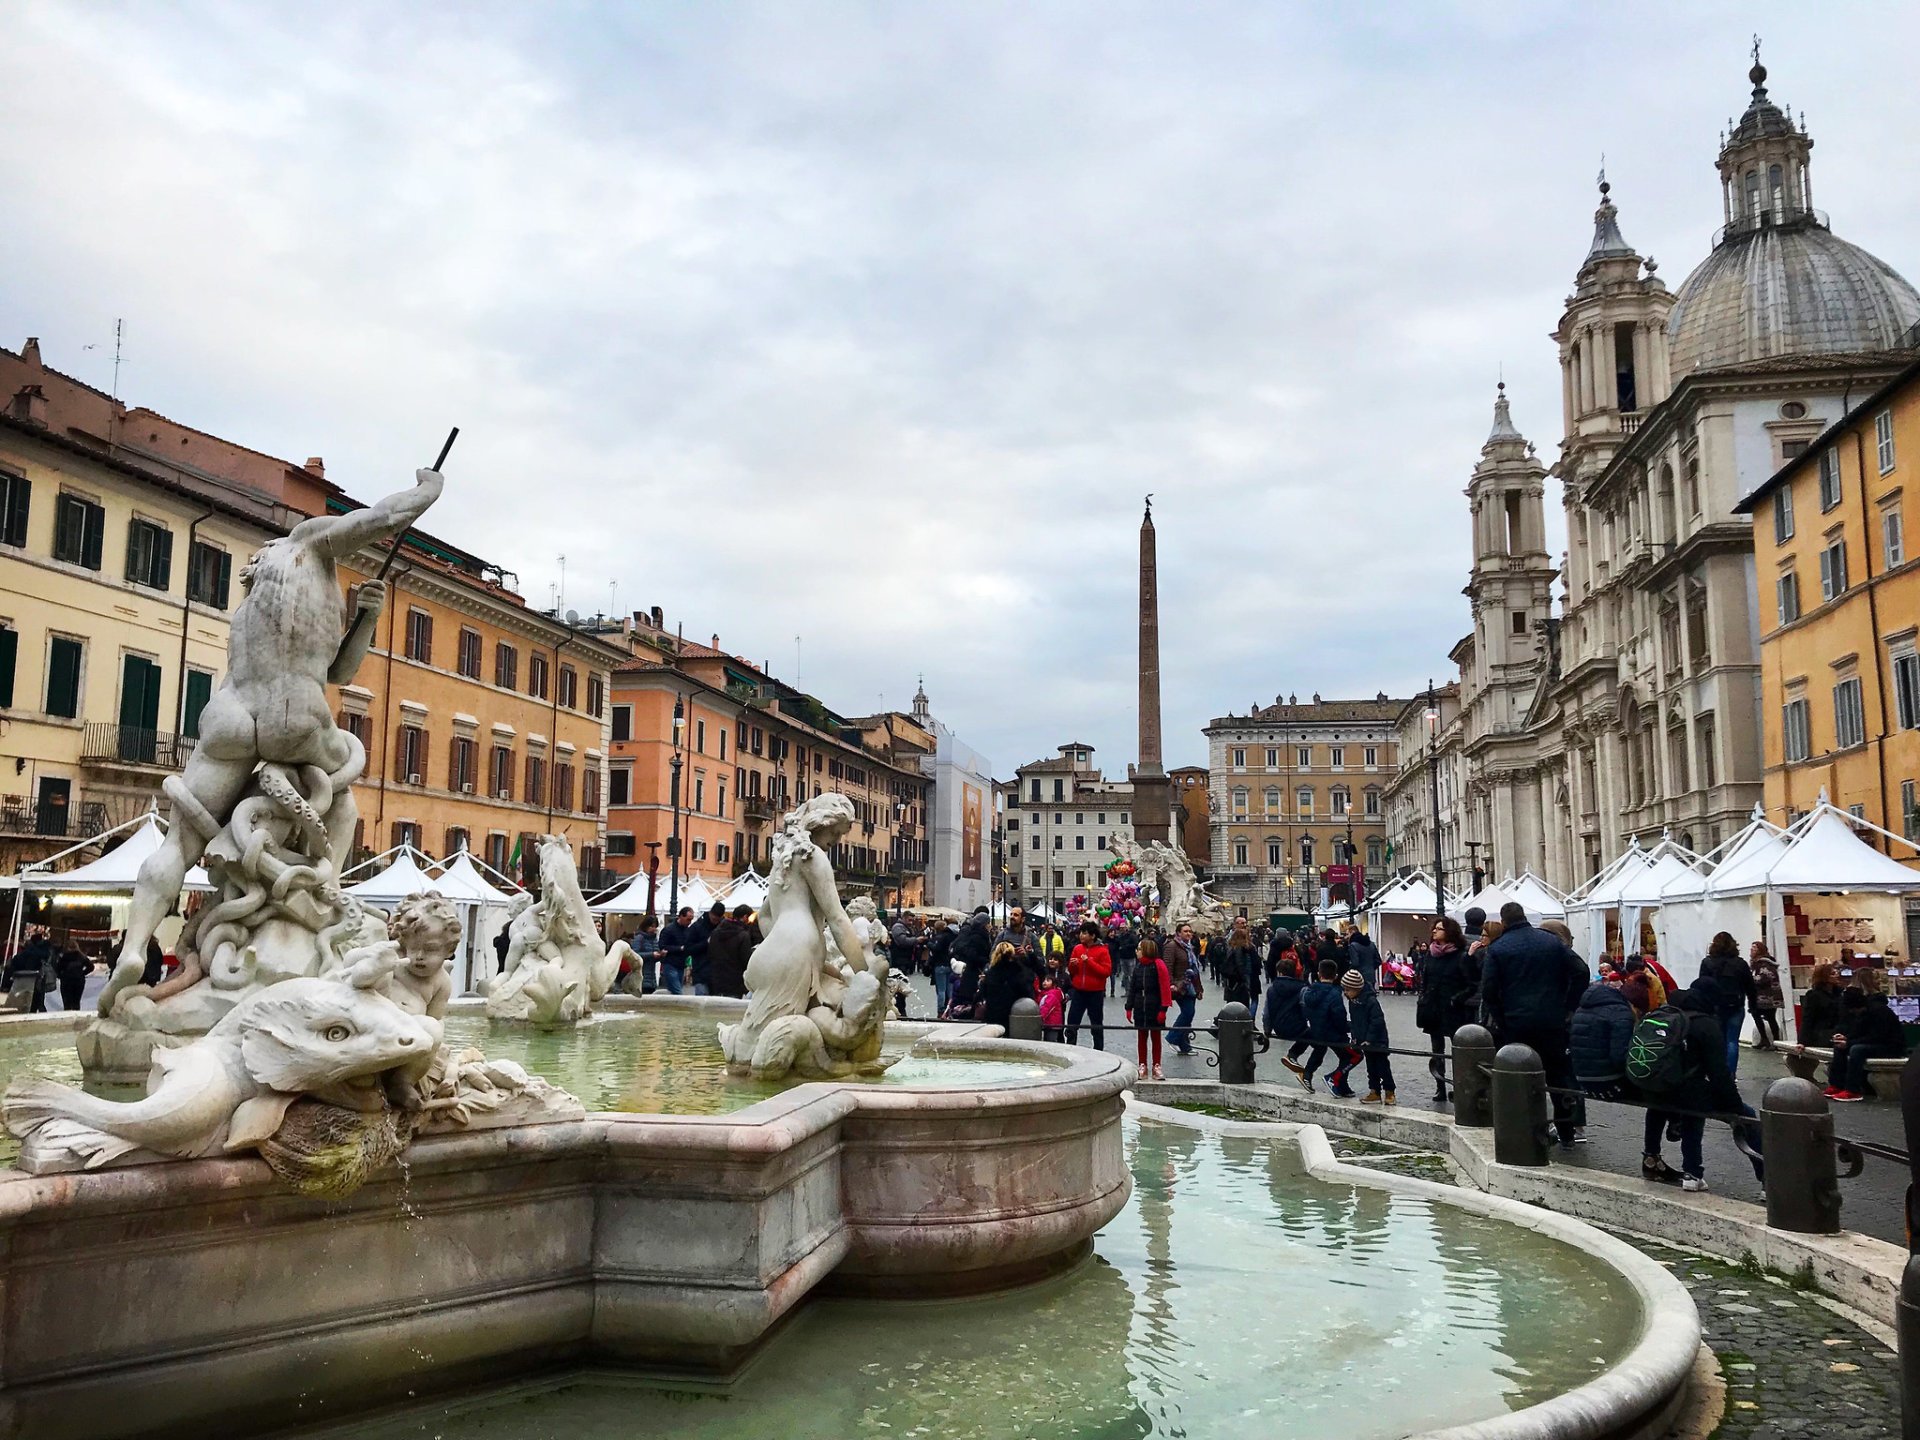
(1149, 994)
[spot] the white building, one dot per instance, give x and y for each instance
(960, 855)
(1060, 816)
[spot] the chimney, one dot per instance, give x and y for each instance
(659, 618)
(30, 405)
(30, 352)
(716, 642)
(317, 466)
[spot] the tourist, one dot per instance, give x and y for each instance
(1324, 1008)
(645, 945)
(1644, 988)
(1051, 949)
(1124, 945)
(1053, 1011)
(1728, 969)
(1283, 1018)
(674, 942)
(1025, 942)
(1238, 965)
(1367, 1027)
(155, 968)
(1007, 980)
(32, 960)
(1820, 1007)
(903, 947)
(1449, 995)
(972, 943)
(1869, 1030)
(1767, 997)
(1149, 996)
(1474, 924)
(1531, 984)
(699, 939)
(728, 950)
(1183, 972)
(1363, 955)
(940, 956)
(502, 941)
(1687, 1084)
(1598, 1038)
(1087, 972)
(72, 968)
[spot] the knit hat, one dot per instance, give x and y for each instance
(1353, 980)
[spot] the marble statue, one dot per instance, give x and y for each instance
(300, 1025)
(813, 1009)
(557, 967)
(1183, 897)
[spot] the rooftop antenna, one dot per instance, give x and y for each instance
(560, 595)
(796, 662)
(613, 598)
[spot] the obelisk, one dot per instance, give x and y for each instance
(1152, 792)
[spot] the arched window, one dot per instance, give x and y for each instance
(1753, 194)
(1776, 191)
(1669, 518)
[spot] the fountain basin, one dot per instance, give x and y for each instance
(182, 1297)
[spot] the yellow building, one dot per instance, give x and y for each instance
(1840, 603)
(116, 587)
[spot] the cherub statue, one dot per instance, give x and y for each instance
(427, 928)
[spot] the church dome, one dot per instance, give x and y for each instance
(1787, 290)
(1779, 281)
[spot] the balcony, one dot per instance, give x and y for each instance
(108, 744)
(24, 815)
(759, 809)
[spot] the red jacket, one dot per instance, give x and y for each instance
(1158, 976)
(1088, 967)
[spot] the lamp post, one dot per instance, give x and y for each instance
(673, 844)
(1474, 872)
(653, 875)
(900, 850)
(1433, 777)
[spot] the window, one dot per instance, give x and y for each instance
(723, 742)
(209, 574)
(1906, 687)
(1305, 757)
(1373, 802)
(506, 666)
(410, 756)
(1374, 852)
(1893, 537)
(456, 840)
(9, 655)
(597, 696)
(149, 555)
(569, 688)
(1339, 799)
(1519, 622)
(199, 692)
(699, 793)
(1239, 759)
(16, 493)
(1339, 757)
(1796, 730)
(1240, 852)
(1303, 801)
(619, 845)
(1033, 842)
(469, 660)
(1792, 450)
(620, 785)
(700, 736)
(463, 764)
(537, 676)
(63, 677)
(1833, 570)
(1080, 819)
(1909, 811)
(1783, 515)
(1273, 800)
(563, 786)
(1787, 590)
(1693, 486)
(500, 776)
(1059, 879)
(1829, 480)
(623, 722)
(1274, 857)
(1036, 880)
(358, 725)
(1273, 759)
(536, 793)
(1883, 439)
(1079, 842)
(1849, 719)
(79, 530)
(1706, 758)
(497, 851)
(1059, 841)
(420, 636)
(590, 790)
(1371, 757)
(1080, 879)
(1240, 800)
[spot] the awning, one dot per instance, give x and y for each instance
(405, 876)
(116, 870)
(460, 880)
(1826, 854)
(749, 889)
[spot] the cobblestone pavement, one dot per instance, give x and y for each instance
(1875, 1201)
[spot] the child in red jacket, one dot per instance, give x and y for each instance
(1149, 995)
(1087, 970)
(1053, 1010)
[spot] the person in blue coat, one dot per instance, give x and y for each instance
(1367, 1025)
(1325, 1010)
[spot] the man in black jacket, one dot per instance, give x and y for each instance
(698, 939)
(1531, 985)
(728, 950)
(675, 936)
(1708, 1088)
(1872, 1032)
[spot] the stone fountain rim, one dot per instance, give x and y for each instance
(1635, 1396)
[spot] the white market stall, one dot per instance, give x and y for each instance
(1539, 899)
(1590, 908)
(1642, 907)
(108, 879)
(631, 898)
(1401, 916)
(749, 889)
(1487, 899)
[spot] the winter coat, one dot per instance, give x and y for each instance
(1088, 968)
(1875, 1026)
(1709, 1086)
(727, 954)
(699, 939)
(1766, 986)
(1532, 980)
(1363, 955)
(1237, 969)
(1735, 978)
(1602, 1028)
(1324, 1008)
(1449, 996)
(1053, 1008)
(970, 944)
(1819, 1016)
(940, 950)
(1367, 1022)
(999, 988)
(72, 965)
(1150, 994)
(1284, 1017)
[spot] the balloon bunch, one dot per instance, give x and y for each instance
(1115, 906)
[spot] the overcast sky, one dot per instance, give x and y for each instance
(872, 324)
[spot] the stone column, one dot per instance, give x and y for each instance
(1152, 791)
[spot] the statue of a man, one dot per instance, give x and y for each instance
(283, 650)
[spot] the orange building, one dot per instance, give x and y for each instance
(1192, 815)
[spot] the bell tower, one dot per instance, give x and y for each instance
(1512, 583)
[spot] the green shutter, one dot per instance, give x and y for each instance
(224, 580)
(93, 535)
(199, 691)
(63, 679)
(9, 651)
(18, 502)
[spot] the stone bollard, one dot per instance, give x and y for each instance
(1803, 1179)
(1521, 1115)
(1233, 1034)
(1472, 1087)
(1024, 1022)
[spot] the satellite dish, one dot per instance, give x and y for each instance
(573, 617)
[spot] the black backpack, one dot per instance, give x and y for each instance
(1656, 1055)
(1143, 990)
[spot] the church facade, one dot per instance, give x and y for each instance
(1635, 710)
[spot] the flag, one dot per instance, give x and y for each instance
(513, 861)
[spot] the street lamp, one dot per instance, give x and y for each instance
(653, 874)
(1433, 776)
(900, 852)
(673, 844)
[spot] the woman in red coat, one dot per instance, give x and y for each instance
(1149, 994)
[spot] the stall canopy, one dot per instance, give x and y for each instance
(459, 879)
(631, 898)
(1747, 859)
(1411, 895)
(407, 875)
(1488, 898)
(117, 869)
(1826, 853)
(748, 889)
(1539, 899)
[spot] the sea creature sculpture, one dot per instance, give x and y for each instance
(557, 966)
(328, 1039)
(812, 1008)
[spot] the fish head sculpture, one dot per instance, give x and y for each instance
(331, 1040)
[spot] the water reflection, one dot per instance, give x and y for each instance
(1233, 1295)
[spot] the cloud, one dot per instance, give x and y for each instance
(874, 324)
